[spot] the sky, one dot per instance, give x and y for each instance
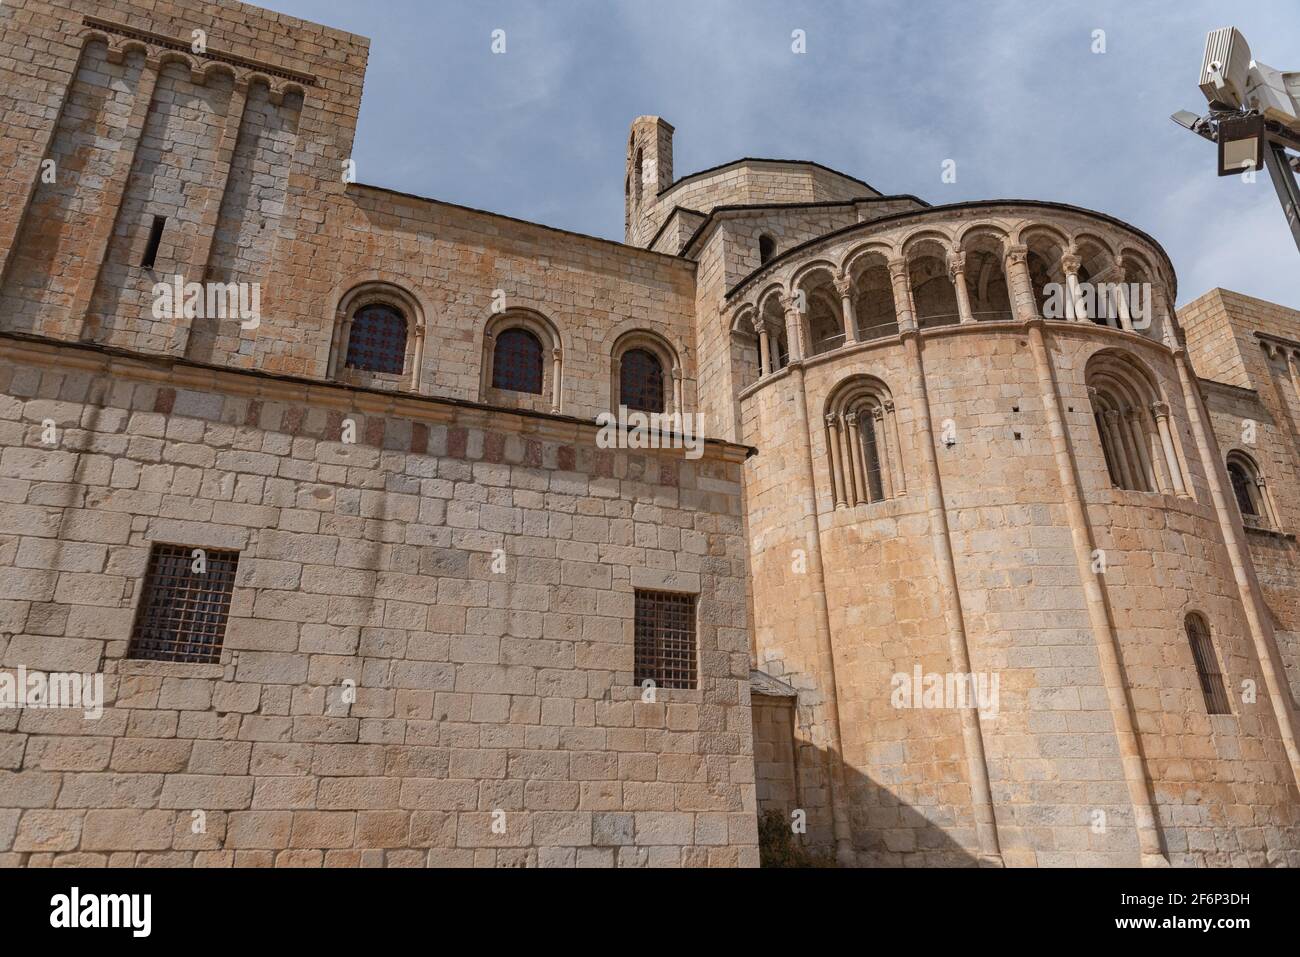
(1012, 91)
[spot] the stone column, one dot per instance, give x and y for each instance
(808, 532)
(793, 327)
(882, 452)
(946, 566)
(110, 201)
(1121, 298)
(677, 391)
(1024, 306)
(764, 349)
(837, 465)
(1161, 412)
(957, 273)
(557, 376)
(1118, 694)
(901, 283)
(1074, 301)
(844, 286)
(1134, 421)
(417, 359)
(895, 454)
(1120, 448)
(861, 494)
(1243, 568)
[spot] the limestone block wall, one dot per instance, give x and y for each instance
(1254, 407)
(776, 785)
(1222, 788)
(462, 264)
(743, 183)
(60, 225)
(141, 126)
(471, 571)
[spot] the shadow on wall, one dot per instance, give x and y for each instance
(886, 831)
(793, 792)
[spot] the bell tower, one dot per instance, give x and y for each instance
(649, 171)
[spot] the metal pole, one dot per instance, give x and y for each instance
(1288, 192)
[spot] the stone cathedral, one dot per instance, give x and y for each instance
(986, 556)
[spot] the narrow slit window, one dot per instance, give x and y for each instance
(155, 240)
(1207, 666)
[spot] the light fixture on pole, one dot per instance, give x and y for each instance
(1254, 117)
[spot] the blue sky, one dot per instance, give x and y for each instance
(1010, 90)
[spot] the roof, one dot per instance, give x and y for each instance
(760, 682)
(759, 159)
(949, 208)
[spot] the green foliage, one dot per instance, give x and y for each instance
(777, 845)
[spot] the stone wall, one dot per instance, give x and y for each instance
(471, 572)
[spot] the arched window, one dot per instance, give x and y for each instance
(638, 174)
(377, 340)
(862, 442)
(1207, 665)
(378, 337)
(645, 374)
(766, 249)
(1250, 492)
(1133, 426)
(1244, 489)
(641, 381)
(517, 362)
(522, 366)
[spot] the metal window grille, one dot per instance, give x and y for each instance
(517, 362)
(377, 340)
(641, 381)
(1207, 666)
(665, 639)
(182, 613)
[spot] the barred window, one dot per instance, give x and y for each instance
(665, 639)
(641, 381)
(377, 340)
(517, 362)
(184, 605)
(1207, 666)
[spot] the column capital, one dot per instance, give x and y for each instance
(1071, 264)
(1160, 410)
(1110, 415)
(956, 264)
(791, 304)
(844, 285)
(1017, 253)
(831, 420)
(898, 270)
(851, 417)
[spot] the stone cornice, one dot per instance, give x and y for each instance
(186, 374)
(172, 43)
